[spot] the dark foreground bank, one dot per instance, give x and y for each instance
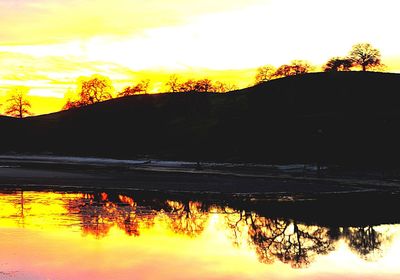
(173, 176)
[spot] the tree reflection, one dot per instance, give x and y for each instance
(20, 204)
(99, 214)
(279, 239)
(298, 244)
(273, 239)
(365, 241)
(188, 218)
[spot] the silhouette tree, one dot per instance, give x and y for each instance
(202, 85)
(220, 87)
(338, 64)
(264, 74)
(296, 67)
(173, 84)
(194, 86)
(140, 88)
(188, 86)
(72, 104)
(366, 56)
(18, 104)
(94, 89)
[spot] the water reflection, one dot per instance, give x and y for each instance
(270, 239)
(188, 218)
(365, 241)
(283, 240)
(98, 214)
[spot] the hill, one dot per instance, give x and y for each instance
(343, 117)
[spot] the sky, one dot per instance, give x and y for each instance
(47, 45)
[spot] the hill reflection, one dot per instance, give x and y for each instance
(283, 239)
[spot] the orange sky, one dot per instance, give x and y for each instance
(47, 44)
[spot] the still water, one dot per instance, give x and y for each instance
(120, 235)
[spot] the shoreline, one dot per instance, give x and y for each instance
(177, 176)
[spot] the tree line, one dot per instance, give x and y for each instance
(99, 88)
(361, 55)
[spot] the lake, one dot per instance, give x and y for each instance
(118, 234)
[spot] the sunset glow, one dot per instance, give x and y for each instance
(47, 45)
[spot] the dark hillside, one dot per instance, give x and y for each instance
(350, 117)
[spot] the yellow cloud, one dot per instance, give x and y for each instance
(46, 21)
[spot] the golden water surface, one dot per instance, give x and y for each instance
(64, 235)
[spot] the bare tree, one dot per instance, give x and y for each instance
(173, 84)
(366, 56)
(18, 103)
(94, 89)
